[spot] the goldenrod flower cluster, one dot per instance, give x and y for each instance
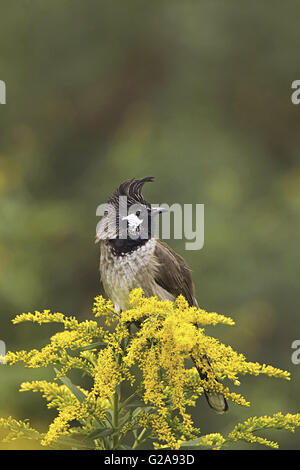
(156, 348)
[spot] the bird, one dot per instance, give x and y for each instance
(131, 256)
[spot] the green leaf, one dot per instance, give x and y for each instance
(77, 442)
(102, 432)
(91, 346)
(136, 405)
(125, 418)
(75, 390)
(143, 408)
(194, 443)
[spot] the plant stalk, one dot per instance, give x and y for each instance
(139, 439)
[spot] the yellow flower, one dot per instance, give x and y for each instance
(149, 346)
(61, 424)
(245, 431)
(18, 429)
(107, 374)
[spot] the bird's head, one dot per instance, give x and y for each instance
(127, 213)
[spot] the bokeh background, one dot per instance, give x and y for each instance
(196, 94)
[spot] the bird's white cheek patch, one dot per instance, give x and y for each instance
(133, 221)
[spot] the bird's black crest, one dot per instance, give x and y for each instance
(133, 190)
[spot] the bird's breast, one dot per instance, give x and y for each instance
(121, 274)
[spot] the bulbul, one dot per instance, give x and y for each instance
(132, 257)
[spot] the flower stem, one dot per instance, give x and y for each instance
(115, 417)
(139, 439)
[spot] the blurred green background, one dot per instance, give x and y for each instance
(196, 94)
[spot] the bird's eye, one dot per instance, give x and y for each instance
(138, 213)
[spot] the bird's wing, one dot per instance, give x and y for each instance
(173, 274)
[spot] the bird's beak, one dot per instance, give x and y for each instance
(158, 210)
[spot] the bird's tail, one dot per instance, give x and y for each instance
(216, 401)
